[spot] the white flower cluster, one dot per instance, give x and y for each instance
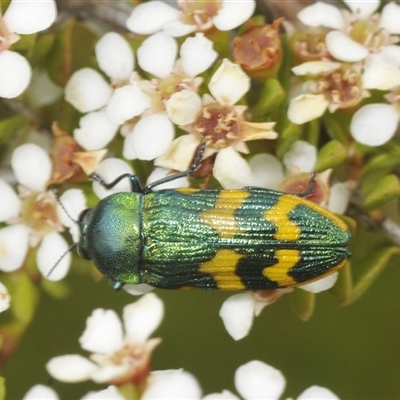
(26, 18)
(361, 56)
(123, 358)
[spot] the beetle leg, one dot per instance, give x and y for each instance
(310, 187)
(134, 181)
(195, 164)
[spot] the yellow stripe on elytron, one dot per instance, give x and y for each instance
(278, 216)
(222, 268)
(222, 216)
(279, 272)
(327, 214)
(187, 190)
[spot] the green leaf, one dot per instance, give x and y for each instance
(337, 127)
(24, 295)
(73, 49)
(10, 126)
(331, 155)
(2, 388)
(58, 290)
(287, 136)
(271, 96)
(380, 164)
(385, 190)
(344, 285)
(303, 303)
(369, 270)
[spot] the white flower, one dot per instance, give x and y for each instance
(257, 380)
(375, 124)
(149, 138)
(228, 84)
(153, 16)
(331, 85)
(355, 35)
(172, 384)
(116, 356)
(32, 216)
(40, 392)
(87, 90)
(157, 55)
(111, 393)
(4, 298)
(317, 393)
(25, 18)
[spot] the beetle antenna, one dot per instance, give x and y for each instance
(55, 192)
(73, 245)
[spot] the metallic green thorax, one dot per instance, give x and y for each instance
(230, 240)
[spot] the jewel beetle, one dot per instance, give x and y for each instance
(247, 239)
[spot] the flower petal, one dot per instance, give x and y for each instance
(53, 251)
(70, 368)
(267, 170)
(307, 107)
(179, 154)
(103, 333)
(40, 392)
(87, 90)
(374, 124)
(73, 202)
(148, 18)
(160, 173)
(233, 13)
(13, 247)
(301, 154)
(108, 170)
(237, 313)
(143, 317)
(127, 102)
(27, 17)
(197, 54)
(229, 83)
(316, 67)
(343, 48)
(115, 56)
(257, 380)
(32, 166)
(15, 74)
(390, 17)
(151, 136)
(10, 203)
(317, 392)
(172, 384)
(224, 395)
(339, 198)
(95, 131)
(322, 14)
(381, 75)
(177, 28)
(183, 107)
(231, 170)
(109, 373)
(157, 54)
(363, 9)
(138, 290)
(4, 298)
(322, 284)
(111, 393)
